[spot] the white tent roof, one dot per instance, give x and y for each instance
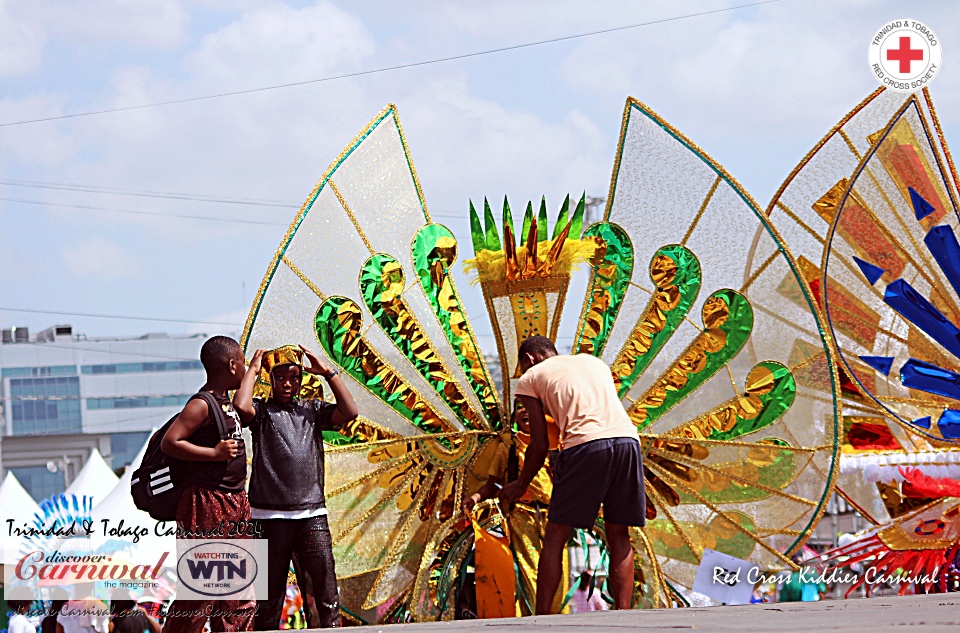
(17, 504)
(119, 505)
(96, 479)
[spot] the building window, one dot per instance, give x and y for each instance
(39, 482)
(136, 402)
(139, 368)
(44, 406)
(37, 372)
(125, 447)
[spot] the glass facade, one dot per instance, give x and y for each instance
(138, 368)
(125, 446)
(39, 482)
(36, 372)
(136, 402)
(42, 406)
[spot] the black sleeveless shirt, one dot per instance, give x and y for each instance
(229, 475)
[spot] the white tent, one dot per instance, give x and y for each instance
(119, 505)
(17, 504)
(95, 479)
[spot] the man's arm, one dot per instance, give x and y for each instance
(346, 410)
(176, 443)
(536, 453)
(243, 399)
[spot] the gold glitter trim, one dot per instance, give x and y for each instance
(349, 212)
(306, 280)
(701, 210)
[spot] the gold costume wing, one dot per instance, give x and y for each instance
(713, 338)
(362, 278)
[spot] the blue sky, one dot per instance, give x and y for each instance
(755, 87)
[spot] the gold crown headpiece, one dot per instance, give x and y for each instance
(311, 386)
(286, 355)
(524, 285)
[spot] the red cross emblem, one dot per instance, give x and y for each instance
(905, 55)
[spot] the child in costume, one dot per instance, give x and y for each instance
(528, 517)
(215, 494)
(286, 483)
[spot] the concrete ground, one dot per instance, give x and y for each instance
(912, 614)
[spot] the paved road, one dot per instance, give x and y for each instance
(910, 614)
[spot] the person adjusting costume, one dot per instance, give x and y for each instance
(599, 461)
(527, 520)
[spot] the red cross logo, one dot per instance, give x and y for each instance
(905, 55)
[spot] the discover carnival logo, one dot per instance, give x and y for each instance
(905, 55)
(221, 569)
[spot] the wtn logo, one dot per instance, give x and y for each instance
(220, 569)
(225, 569)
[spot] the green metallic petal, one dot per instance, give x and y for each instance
(562, 218)
(492, 236)
(609, 281)
(476, 231)
(721, 340)
(542, 221)
(382, 284)
(576, 223)
(434, 251)
(527, 221)
(664, 313)
(338, 325)
(508, 221)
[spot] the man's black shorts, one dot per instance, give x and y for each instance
(607, 471)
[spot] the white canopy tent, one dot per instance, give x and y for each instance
(96, 479)
(17, 504)
(119, 505)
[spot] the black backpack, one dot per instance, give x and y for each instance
(158, 483)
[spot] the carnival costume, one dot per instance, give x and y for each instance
(871, 212)
(364, 277)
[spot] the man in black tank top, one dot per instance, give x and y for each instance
(214, 495)
(286, 483)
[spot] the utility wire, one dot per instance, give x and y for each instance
(148, 194)
(449, 216)
(149, 213)
(383, 69)
(116, 316)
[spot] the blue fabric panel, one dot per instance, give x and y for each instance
(921, 207)
(882, 364)
(871, 272)
(904, 298)
(949, 424)
(917, 374)
(942, 244)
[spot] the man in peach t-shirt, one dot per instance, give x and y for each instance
(599, 461)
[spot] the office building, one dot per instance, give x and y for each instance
(64, 394)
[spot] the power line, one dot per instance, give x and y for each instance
(99, 351)
(148, 194)
(117, 316)
(383, 69)
(147, 213)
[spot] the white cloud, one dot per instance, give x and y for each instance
(146, 23)
(21, 44)
(277, 43)
(97, 257)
